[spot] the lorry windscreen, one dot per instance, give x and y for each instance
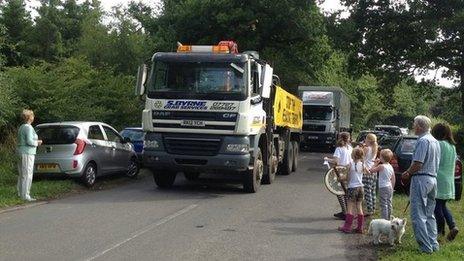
(199, 80)
(316, 112)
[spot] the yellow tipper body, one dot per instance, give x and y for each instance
(288, 110)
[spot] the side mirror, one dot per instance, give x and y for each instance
(267, 81)
(141, 78)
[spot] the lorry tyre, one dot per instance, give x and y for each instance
(252, 178)
(287, 163)
(191, 175)
(296, 152)
(164, 179)
(271, 168)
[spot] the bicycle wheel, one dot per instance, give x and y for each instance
(331, 182)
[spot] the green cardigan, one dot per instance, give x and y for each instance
(445, 176)
(27, 140)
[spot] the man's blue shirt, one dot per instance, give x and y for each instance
(427, 151)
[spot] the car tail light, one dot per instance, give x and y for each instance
(458, 169)
(394, 164)
(74, 164)
(80, 146)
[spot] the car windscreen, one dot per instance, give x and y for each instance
(133, 135)
(388, 142)
(407, 145)
(57, 134)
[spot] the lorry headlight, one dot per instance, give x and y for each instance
(152, 144)
(242, 148)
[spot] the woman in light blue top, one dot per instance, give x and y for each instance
(27, 146)
(445, 179)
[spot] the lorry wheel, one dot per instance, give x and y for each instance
(164, 179)
(191, 176)
(296, 152)
(271, 168)
(287, 163)
(252, 178)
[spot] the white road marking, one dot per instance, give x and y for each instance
(144, 230)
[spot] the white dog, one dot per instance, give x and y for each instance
(393, 228)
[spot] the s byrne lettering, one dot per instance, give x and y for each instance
(186, 105)
(200, 105)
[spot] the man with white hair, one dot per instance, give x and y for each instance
(423, 188)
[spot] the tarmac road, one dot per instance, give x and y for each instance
(205, 220)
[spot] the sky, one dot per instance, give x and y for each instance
(327, 6)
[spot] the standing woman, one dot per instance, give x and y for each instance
(445, 179)
(27, 146)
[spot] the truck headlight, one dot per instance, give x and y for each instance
(242, 148)
(152, 144)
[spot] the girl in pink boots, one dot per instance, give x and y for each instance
(355, 192)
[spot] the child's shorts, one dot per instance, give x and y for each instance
(355, 194)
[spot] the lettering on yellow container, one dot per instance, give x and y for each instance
(288, 110)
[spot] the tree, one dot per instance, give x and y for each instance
(17, 24)
(46, 39)
(397, 39)
(290, 34)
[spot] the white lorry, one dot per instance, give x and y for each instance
(326, 112)
(212, 109)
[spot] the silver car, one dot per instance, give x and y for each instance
(84, 150)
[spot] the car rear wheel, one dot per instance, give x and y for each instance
(89, 175)
(133, 168)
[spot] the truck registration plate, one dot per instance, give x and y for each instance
(193, 123)
(312, 137)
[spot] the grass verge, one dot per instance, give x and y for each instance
(409, 249)
(41, 189)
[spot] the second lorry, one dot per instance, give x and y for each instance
(326, 113)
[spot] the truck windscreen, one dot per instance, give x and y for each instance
(196, 80)
(321, 113)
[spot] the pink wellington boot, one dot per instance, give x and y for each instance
(359, 229)
(347, 225)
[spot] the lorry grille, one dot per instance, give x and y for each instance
(310, 127)
(192, 146)
(209, 120)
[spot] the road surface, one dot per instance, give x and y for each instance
(206, 220)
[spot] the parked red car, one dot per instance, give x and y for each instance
(403, 148)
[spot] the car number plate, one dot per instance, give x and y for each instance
(312, 137)
(193, 123)
(47, 167)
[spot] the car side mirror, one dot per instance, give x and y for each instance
(141, 79)
(267, 81)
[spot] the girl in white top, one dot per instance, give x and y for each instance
(386, 182)
(342, 157)
(370, 149)
(355, 192)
